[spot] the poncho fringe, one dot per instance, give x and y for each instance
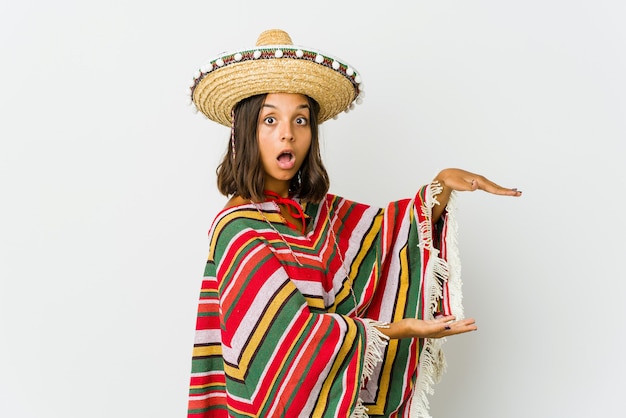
(376, 343)
(432, 362)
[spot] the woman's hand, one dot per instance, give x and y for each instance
(461, 180)
(436, 328)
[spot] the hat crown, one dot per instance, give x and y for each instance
(274, 37)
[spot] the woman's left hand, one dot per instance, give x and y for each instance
(456, 179)
(461, 180)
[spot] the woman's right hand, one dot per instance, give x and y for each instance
(443, 326)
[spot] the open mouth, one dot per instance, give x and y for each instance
(286, 160)
(285, 157)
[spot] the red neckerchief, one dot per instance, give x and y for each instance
(292, 207)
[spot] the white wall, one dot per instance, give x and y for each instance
(107, 189)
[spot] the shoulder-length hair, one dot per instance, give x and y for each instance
(241, 172)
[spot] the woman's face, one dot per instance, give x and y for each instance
(284, 136)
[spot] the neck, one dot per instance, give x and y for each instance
(280, 188)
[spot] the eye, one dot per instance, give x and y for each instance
(269, 120)
(302, 121)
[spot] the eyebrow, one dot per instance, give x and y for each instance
(302, 106)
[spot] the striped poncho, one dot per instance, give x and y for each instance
(278, 333)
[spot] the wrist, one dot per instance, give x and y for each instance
(399, 329)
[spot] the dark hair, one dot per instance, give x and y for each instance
(244, 176)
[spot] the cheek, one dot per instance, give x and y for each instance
(264, 147)
(264, 158)
(307, 146)
(264, 136)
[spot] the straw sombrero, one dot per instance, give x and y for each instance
(274, 65)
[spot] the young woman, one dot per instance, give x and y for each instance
(313, 305)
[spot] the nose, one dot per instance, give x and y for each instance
(286, 133)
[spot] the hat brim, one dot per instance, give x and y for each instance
(219, 90)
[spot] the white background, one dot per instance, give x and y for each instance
(108, 188)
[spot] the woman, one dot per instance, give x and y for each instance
(311, 304)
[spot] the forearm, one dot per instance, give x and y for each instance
(397, 330)
(443, 197)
